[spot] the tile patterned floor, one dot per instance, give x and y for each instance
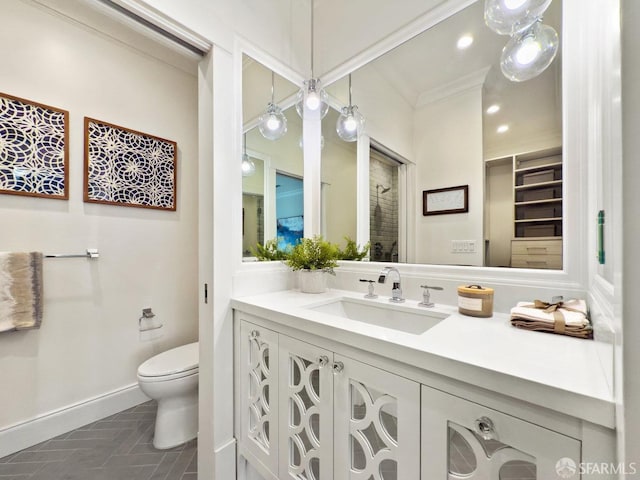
(115, 448)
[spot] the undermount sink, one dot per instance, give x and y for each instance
(395, 317)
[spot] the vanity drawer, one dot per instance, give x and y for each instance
(537, 261)
(536, 247)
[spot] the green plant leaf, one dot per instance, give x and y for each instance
(313, 254)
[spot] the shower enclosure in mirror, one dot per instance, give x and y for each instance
(272, 193)
(383, 207)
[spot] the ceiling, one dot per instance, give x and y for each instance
(431, 61)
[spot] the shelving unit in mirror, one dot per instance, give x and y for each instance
(537, 180)
(537, 208)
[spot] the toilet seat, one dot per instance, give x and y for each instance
(175, 363)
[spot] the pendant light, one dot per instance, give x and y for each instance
(508, 17)
(350, 122)
(532, 46)
(272, 123)
(248, 167)
(528, 53)
(312, 100)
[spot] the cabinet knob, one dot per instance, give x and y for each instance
(254, 334)
(322, 360)
(338, 367)
(485, 428)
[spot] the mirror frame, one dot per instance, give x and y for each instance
(574, 273)
(575, 221)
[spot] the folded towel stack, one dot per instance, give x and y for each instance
(20, 291)
(565, 318)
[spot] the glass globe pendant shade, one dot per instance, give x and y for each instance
(349, 124)
(312, 99)
(248, 167)
(529, 53)
(272, 123)
(507, 17)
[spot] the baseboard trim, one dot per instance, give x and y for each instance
(49, 425)
(225, 460)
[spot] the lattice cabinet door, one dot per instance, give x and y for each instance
(376, 423)
(306, 411)
(464, 440)
(259, 393)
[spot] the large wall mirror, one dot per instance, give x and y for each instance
(460, 122)
(273, 169)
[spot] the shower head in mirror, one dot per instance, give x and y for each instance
(508, 17)
(529, 53)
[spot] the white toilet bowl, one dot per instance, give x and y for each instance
(171, 378)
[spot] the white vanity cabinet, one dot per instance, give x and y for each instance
(376, 434)
(332, 417)
(464, 440)
(305, 411)
(257, 364)
(315, 407)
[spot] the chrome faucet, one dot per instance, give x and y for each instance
(396, 291)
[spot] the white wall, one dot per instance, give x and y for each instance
(448, 154)
(89, 342)
(280, 27)
(345, 29)
(388, 116)
(631, 221)
(499, 212)
(339, 177)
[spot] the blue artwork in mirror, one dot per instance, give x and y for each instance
(289, 210)
(290, 231)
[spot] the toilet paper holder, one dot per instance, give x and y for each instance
(147, 314)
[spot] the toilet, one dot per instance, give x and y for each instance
(171, 378)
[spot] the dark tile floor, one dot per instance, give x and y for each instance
(115, 448)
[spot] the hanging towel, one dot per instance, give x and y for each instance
(20, 290)
(566, 318)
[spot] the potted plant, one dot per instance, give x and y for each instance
(269, 251)
(352, 251)
(313, 258)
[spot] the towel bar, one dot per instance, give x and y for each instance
(91, 253)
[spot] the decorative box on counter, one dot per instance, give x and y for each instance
(475, 301)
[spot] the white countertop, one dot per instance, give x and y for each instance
(555, 371)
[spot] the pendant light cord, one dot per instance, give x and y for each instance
(272, 86)
(312, 35)
(349, 89)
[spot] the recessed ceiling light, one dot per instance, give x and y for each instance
(503, 128)
(464, 42)
(495, 108)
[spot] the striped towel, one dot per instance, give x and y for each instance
(20, 290)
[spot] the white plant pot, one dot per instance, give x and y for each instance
(313, 281)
